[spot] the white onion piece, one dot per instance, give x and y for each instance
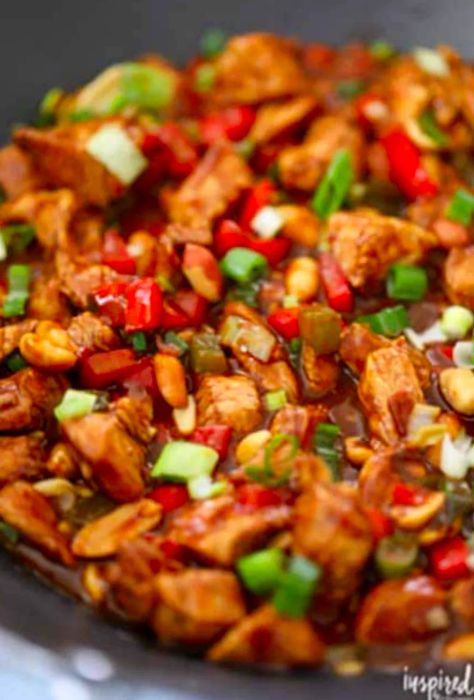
(422, 415)
(113, 147)
(454, 461)
(433, 334)
(431, 61)
(267, 222)
(463, 353)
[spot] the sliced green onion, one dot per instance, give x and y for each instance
(396, 555)
(172, 338)
(335, 185)
(139, 343)
(431, 61)
(297, 586)
(113, 147)
(245, 148)
(15, 361)
(390, 321)
(275, 400)
(204, 77)
(429, 126)
(324, 441)
(407, 282)
(82, 115)
(146, 86)
(265, 474)
(248, 294)
(17, 237)
(261, 571)
(184, 461)
(212, 42)
(75, 404)
(294, 351)
(290, 302)
(382, 50)
(203, 487)
(18, 277)
(461, 207)
(9, 533)
(243, 265)
(47, 107)
(456, 322)
(348, 89)
(320, 327)
(206, 354)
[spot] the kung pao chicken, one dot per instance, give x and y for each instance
(236, 345)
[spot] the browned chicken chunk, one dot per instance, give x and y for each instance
(231, 401)
(27, 398)
(459, 276)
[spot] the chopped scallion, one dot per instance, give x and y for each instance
(139, 342)
(203, 487)
(348, 89)
(335, 185)
(275, 400)
(172, 338)
(15, 361)
(390, 321)
(407, 282)
(243, 265)
(296, 587)
(112, 146)
(17, 237)
(212, 42)
(461, 207)
(396, 555)
(261, 571)
(381, 50)
(75, 404)
(456, 322)
(276, 469)
(184, 461)
(204, 77)
(145, 86)
(18, 277)
(428, 125)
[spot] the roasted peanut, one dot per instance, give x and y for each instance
(62, 462)
(94, 583)
(185, 418)
(171, 380)
(357, 451)
(49, 347)
(416, 517)
(142, 247)
(460, 648)
(300, 225)
(250, 445)
(103, 536)
(302, 278)
(457, 387)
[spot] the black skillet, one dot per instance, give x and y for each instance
(44, 43)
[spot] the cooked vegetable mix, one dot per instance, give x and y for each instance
(237, 352)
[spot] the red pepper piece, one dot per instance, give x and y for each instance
(275, 250)
(229, 235)
(363, 105)
(172, 148)
(192, 304)
(170, 496)
(447, 351)
(110, 301)
(173, 550)
(380, 524)
(215, 436)
(116, 255)
(259, 196)
(256, 496)
(285, 322)
(144, 305)
(407, 495)
(173, 317)
(232, 123)
(336, 287)
(449, 558)
(105, 368)
(406, 168)
(143, 375)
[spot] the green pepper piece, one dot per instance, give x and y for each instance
(206, 354)
(320, 327)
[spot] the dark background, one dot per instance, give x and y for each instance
(44, 44)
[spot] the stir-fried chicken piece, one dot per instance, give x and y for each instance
(231, 401)
(321, 371)
(366, 243)
(257, 67)
(11, 335)
(17, 174)
(27, 399)
(23, 457)
(271, 376)
(29, 512)
(266, 638)
(195, 605)
(459, 276)
(276, 118)
(220, 177)
(88, 332)
(79, 279)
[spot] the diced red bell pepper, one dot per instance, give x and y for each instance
(447, 350)
(407, 495)
(215, 436)
(232, 123)
(144, 305)
(406, 169)
(110, 301)
(285, 322)
(192, 304)
(105, 368)
(116, 255)
(257, 496)
(170, 496)
(336, 287)
(143, 375)
(172, 550)
(229, 235)
(274, 249)
(380, 524)
(173, 317)
(259, 196)
(364, 104)
(172, 147)
(449, 558)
